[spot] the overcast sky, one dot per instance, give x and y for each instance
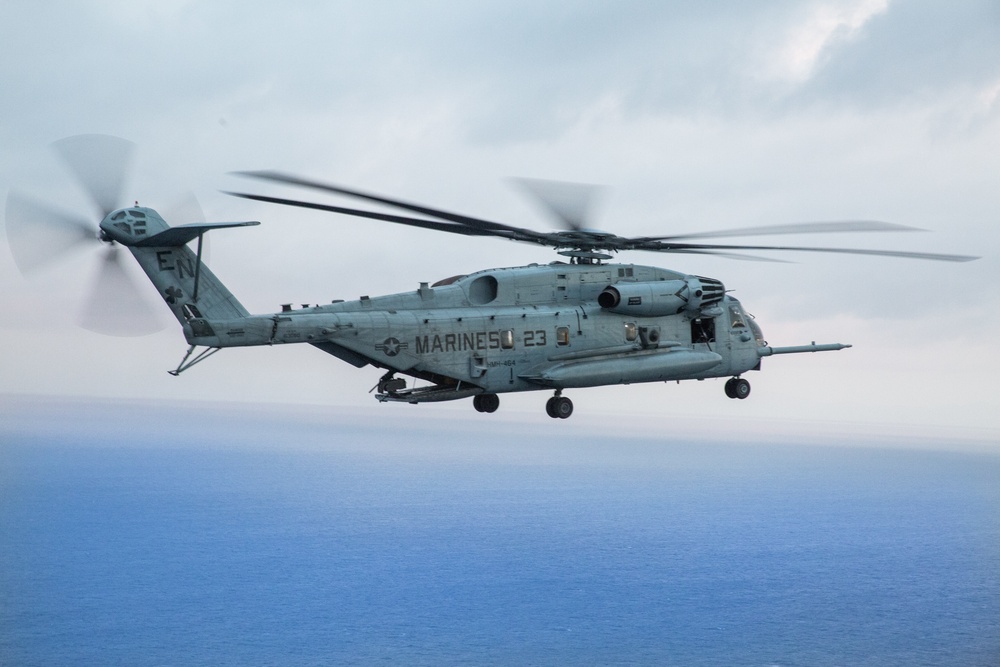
(697, 116)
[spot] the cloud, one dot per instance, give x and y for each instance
(824, 27)
(913, 53)
(697, 117)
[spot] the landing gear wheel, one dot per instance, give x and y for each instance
(486, 402)
(730, 389)
(559, 407)
(741, 389)
(549, 407)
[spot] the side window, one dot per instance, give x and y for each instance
(562, 335)
(631, 331)
(703, 330)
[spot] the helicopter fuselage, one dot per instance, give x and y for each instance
(520, 329)
(536, 327)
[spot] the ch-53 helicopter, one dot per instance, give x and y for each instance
(578, 322)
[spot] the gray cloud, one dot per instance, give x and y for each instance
(687, 111)
(912, 54)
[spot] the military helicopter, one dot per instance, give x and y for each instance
(578, 322)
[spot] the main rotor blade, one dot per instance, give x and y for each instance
(374, 215)
(39, 234)
(101, 163)
(795, 228)
(186, 210)
(729, 255)
(473, 223)
(571, 210)
(569, 203)
(115, 306)
(684, 247)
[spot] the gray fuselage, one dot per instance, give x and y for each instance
(523, 328)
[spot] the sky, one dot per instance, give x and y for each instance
(696, 116)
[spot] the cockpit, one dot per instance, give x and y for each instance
(739, 321)
(736, 317)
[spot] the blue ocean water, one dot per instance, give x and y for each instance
(165, 536)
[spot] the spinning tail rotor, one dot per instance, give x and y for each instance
(41, 235)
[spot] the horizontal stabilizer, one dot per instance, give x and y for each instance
(183, 234)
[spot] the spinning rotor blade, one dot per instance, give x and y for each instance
(185, 210)
(682, 247)
(486, 227)
(101, 163)
(795, 228)
(39, 234)
(569, 203)
(115, 305)
(400, 219)
(729, 255)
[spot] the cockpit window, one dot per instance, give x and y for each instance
(736, 319)
(757, 333)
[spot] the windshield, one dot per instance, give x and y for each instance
(736, 318)
(758, 335)
(740, 320)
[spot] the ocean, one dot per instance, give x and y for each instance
(135, 534)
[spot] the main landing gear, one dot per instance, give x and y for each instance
(737, 388)
(486, 402)
(559, 407)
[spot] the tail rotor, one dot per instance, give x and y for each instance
(41, 235)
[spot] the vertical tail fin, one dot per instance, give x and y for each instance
(185, 284)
